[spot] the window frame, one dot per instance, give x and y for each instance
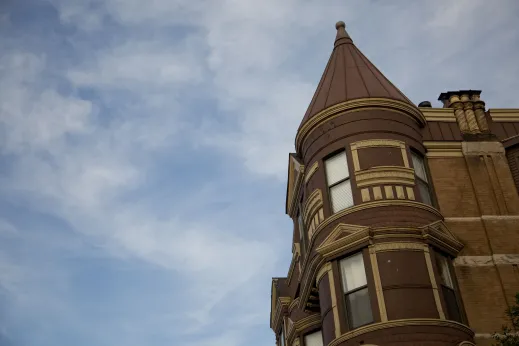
(454, 289)
(345, 301)
(313, 332)
(348, 178)
(419, 180)
(282, 335)
(302, 230)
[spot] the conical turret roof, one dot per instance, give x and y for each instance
(349, 75)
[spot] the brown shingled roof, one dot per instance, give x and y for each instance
(349, 75)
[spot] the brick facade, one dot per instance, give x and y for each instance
(428, 198)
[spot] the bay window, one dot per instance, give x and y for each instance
(355, 289)
(421, 178)
(313, 339)
(338, 180)
(448, 288)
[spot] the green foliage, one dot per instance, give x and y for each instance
(509, 336)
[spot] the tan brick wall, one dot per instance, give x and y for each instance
(453, 187)
(484, 341)
(483, 297)
(507, 184)
(477, 196)
(503, 234)
(510, 276)
(472, 234)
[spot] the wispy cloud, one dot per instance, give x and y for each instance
(143, 151)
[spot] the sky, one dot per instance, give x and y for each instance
(144, 149)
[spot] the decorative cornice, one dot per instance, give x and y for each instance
(385, 175)
(414, 322)
(439, 234)
(351, 210)
(504, 114)
(302, 324)
(311, 171)
(333, 245)
(322, 272)
(296, 173)
(438, 114)
(443, 149)
(281, 304)
(308, 278)
(295, 258)
(398, 246)
(369, 205)
(436, 234)
(356, 105)
(312, 205)
(373, 143)
(293, 305)
(273, 302)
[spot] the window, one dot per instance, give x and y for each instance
(355, 288)
(447, 287)
(282, 336)
(339, 185)
(314, 339)
(301, 225)
(421, 178)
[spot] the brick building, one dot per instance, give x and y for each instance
(406, 218)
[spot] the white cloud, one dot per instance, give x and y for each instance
(35, 118)
(89, 160)
(140, 65)
(83, 181)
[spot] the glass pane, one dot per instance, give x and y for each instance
(419, 166)
(424, 192)
(282, 337)
(314, 339)
(341, 196)
(353, 273)
(445, 274)
(453, 311)
(359, 308)
(301, 227)
(336, 168)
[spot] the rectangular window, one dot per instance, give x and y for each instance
(421, 178)
(338, 179)
(314, 339)
(301, 225)
(448, 289)
(355, 288)
(282, 336)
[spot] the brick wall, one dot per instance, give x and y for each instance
(476, 193)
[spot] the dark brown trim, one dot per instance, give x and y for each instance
(510, 142)
(342, 299)
(341, 308)
(461, 307)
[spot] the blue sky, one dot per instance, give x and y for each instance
(143, 150)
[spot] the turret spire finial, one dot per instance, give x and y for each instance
(342, 35)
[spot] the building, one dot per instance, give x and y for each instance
(406, 218)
